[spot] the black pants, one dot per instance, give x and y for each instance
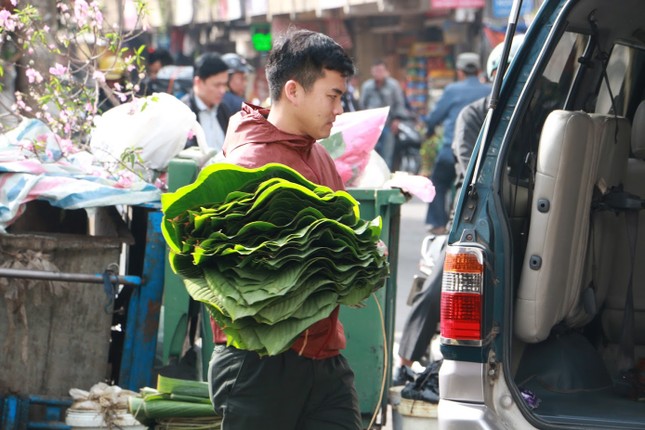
(282, 392)
(421, 324)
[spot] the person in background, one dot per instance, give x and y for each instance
(210, 83)
(379, 91)
(239, 70)
(310, 386)
(349, 99)
(471, 118)
(114, 70)
(454, 98)
(157, 58)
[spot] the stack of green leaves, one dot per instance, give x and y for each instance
(269, 252)
(174, 399)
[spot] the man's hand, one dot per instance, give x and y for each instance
(382, 248)
(394, 126)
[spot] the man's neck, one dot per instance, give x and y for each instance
(203, 106)
(281, 119)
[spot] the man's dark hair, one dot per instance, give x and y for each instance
(302, 55)
(160, 55)
(209, 64)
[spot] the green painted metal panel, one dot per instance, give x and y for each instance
(370, 330)
(176, 299)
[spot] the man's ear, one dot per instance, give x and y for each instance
(291, 89)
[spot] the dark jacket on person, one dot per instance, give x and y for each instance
(233, 102)
(223, 114)
(469, 122)
(252, 142)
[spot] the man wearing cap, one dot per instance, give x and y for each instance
(455, 96)
(210, 79)
(239, 70)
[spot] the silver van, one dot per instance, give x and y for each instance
(543, 293)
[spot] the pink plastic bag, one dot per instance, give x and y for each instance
(353, 137)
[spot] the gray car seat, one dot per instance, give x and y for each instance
(579, 155)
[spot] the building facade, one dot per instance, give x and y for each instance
(418, 39)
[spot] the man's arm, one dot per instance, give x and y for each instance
(398, 101)
(469, 122)
(440, 111)
(365, 90)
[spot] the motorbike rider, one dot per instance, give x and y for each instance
(239, 70)
(471, 117)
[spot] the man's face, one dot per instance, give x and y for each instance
(379, 72)
(153, 69)
(212, 89)
(317, 108)
(237, 83)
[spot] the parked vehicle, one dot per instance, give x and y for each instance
(543, 294)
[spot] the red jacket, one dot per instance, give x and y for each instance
(251, 141)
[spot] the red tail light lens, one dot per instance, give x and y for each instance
(461, 296)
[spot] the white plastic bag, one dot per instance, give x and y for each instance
(158, 124)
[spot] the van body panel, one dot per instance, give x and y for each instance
(456, 381)
(467, 416)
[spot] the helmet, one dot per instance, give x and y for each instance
(112, 65)
(236, 63)
(493, 59)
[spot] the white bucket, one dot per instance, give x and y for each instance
(93, 420)
(412, 414)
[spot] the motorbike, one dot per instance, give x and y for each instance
(431, 247)
(424, 295)
(407, 147)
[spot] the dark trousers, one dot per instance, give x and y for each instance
(421, 324)
(443, 179)
(282, 392)
(385, 146)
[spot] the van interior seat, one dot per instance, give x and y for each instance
(555, 269)
(612, 136)
(612, 314)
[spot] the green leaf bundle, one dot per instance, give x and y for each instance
(269, 252)
(173, 398)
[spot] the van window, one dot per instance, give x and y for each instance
(563, 64)
(550, 93)
(625, 75)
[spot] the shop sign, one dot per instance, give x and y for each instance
(457, 4)
(502, 8)
(261, 36)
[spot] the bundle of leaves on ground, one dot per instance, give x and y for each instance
(269, 252)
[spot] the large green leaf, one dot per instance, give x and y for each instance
(269, 252)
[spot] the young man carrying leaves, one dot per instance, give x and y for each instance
(310, 386)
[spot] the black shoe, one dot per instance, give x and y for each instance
(402, 375)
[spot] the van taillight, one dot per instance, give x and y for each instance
(461, 296)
